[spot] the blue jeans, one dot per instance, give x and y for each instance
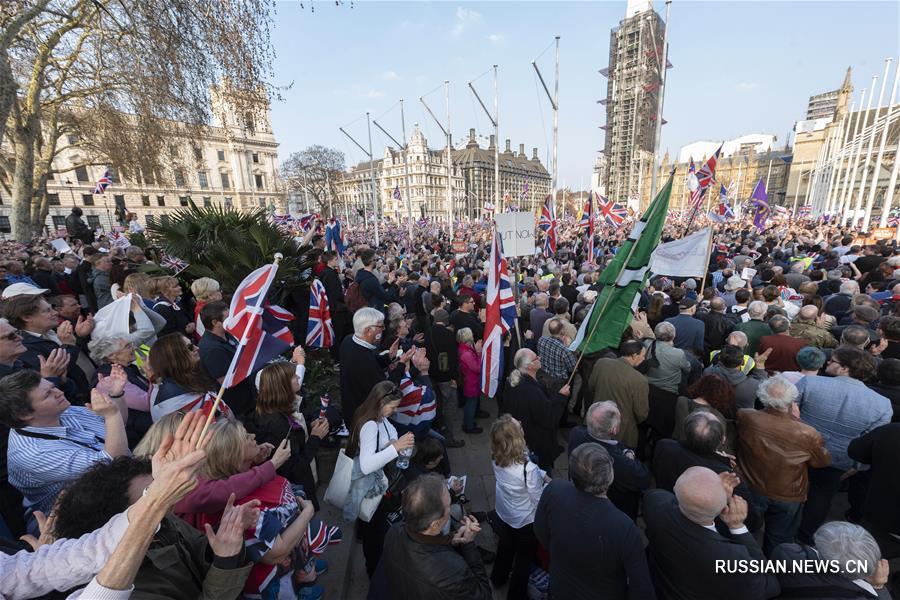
(782, 520)
(469, 409)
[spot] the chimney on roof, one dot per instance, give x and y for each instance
(522, 150)
(534, 155)
(507, 146)
(492, 141)
(472, 134)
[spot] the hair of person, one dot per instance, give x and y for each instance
(366, 257)
(560, 306)
(213, 311)
(156, 285)
(96, 496)
(171, 359)
(18, 308)
(700, 494)
(137, 282)
(154, 437)
(423, 501)
(204, 287)
(507, 442)
(703, 432)
(808, 314)
(848, 544)
(888, 371)
(716, 304)
(742, 295)
(664, 332)
(657, 301)
(855, 335)
(890, 327)
(731, 357)
(381, 394)
(779, 324)
(366, 317)
(225, 450)
(15, 403)
(555, 327)
(134, 251)
(57, 301)
(603, 419)
(716, 391)
(757, 309)
(591, 469)
(770, 293)
(777, 392)
(101, 348)
(676, 294)
(465, 336)
(428, 450)
(541, 300)
(737, 338)
(631, 348)
(849, 287)
(276, 391)
(860, 364)
(523, 358)
(810, 358)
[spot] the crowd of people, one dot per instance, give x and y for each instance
(745, 419)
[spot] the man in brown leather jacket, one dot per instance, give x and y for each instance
(774, 450)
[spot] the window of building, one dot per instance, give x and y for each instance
(150, 219)
(204, 180)
(160, 200)
(58, 221)
(226, 184)
(183, 200)
(164, 219)
(220, 154)
(207, 201)
(81, 174)
(113, 175)
(145, 200)
(87, 199)
(259, 181)
(256, 157)
(52, 199)
(93, 221)
(5, 226)
(179, 178)
(198, 154)
(228, 202)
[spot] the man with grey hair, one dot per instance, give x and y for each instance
(631, 477)
(361, 365)
(837, 305)
(576, 522)
(784, 347)
(739, 340)
(686, 547)
(863, 571)
(775, 451)
(538, 316)
(756, 327)
(673, 364)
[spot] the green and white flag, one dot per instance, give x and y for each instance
(623, 280)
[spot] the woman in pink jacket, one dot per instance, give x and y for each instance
(470, 372)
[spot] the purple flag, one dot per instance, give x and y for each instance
(762, 205)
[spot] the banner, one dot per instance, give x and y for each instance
(686, 257)
(516, 230)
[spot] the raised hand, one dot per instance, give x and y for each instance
(114, 383)
(761, 358)
(84, 326)
(729, 481)
(735, 512)
(183, 443)
(320, 428)
(101, 405)
(45, 526)
(262, 452)
(229, 539)
(299, 356)
(56, 363)
(66, 333)
(282, 454)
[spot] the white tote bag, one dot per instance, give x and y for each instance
(339, 486)
(368, 506)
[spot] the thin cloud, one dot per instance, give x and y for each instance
(746, 86)
(496, 38)
(391, 75)
(374, 94)
(464, 18)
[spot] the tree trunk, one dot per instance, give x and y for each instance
(23, 186)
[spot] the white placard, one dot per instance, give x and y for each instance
(61, 245)
(517, 232)
(748, 273)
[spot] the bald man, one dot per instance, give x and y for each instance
(807, 326)
(686, 548)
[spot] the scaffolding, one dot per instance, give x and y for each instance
(632, 99)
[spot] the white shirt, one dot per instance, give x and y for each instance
(382, 433)
(518, 492)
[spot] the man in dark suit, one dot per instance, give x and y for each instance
(716, 326)
(443, 369)
(361, 366)
(689, 332)
(687, 551)
(335, 292)
(465, 316)
(631, 476)
(595, 550)
(784, 347)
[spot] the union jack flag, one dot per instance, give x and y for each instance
(804, 211)
(103, 183)
(320, 536)
(893, 221)
(548, 226)
(587, 215)
(417, 406)
(612, 212)
(173, 263)
(319, 330)
(283, 220)
(500, 315)
(705, 177)
(397, 192)
(261, 329)
(306, 221)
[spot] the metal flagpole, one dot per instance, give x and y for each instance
(554, 104)
(889, 196)
(768, 174)
(662, 97)
(328, 194)
(877, 170)
(842, 204)
(817, 169)
(865, 171)
(797, 192)
(496, 142)
(848, 193)
(839, 157)
(305, 191)
(409, 217)
(374, 187)
(449, 164)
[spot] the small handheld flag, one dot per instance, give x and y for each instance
(103, 183)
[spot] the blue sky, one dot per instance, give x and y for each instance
(739, 67)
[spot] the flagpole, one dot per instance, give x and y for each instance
(662, 97)
(706, 266)
(864, 175)
(609, 296)
(374, 187)
(212, 413)
(884, 133)
(409, 224)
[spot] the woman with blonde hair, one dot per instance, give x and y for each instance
(277, 419)
(519, 484)
(205, 290)
(167, 303)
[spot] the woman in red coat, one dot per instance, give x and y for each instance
(470, 372)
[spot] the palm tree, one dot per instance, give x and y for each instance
(227, 244)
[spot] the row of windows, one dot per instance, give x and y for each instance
(82, 176)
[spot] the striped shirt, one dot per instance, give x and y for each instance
(40, 468)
